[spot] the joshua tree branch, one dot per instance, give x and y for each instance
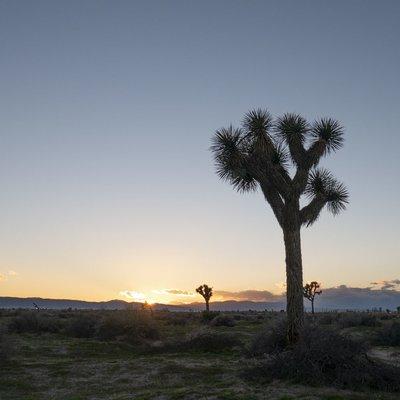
(297, 151)
(274, 200)
(310, 212)
(277, 175)
(315, 152)
(300, 179)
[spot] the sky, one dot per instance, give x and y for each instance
(107, 109)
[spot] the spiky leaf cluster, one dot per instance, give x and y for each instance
(329, 132)
(311, 289)
(321, 184)
(264, 152)
(205, 291)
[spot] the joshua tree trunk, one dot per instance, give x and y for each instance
(260, 155)
(312, 306)
(207, 305)
(294, 279)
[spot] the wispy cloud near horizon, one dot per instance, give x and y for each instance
(384, 294)
(9, 273)
(247, 295)
(387, 284)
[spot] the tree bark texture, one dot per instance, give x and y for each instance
(294, 280)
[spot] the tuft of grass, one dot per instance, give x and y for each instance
(388, 335)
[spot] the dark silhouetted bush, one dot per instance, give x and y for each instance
(325, 357)
(82, 326)
(5, 349)
(208, 341)
(388, 335)
(34, 322)
(326, 318)
(26, 322)
(272, 339)
(353, 319)
(223, 320)
(208, 316)
(130, 326)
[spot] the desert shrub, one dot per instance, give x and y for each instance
(325, 357)
(270, 340)
(223, 320)
(26, 322)
(130, 326)
(238, 317)
(326, 318)
(349, 320)
(178, 319)
(208, 316)
(82, 326)
(207, 341)
(5, 349)
(388, 335)
(66, 314)
(34, 322)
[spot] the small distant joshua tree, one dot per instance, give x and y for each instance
(310, 290)
(281, 158)
(206, 292)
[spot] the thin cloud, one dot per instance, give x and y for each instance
(247, 295)
(131, 294)
(179, 292)
(5, 276)
(174, 292)
(387, 284)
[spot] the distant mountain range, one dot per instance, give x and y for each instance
(63, 304)
(338, 298)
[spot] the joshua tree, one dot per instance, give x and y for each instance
(281, 157)
(206, 292)
(309, 292)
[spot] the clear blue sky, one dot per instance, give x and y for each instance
(107, 109)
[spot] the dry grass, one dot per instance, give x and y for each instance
(60, 367)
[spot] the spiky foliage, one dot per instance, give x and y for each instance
(281, 158)
(229, 149)
(263, 151)
(310, 290)
(206, 292)
(329, 132)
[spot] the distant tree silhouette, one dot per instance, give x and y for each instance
(206, 292)
(398, 309)
(281, 157)
(309, 292)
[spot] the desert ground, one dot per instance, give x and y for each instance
(76, 355)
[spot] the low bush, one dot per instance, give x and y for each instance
(326, 318)
(271, 339)
(130, 326)
(223, 320)
(350, 320)
(34, 322)
(388, 335)
(178, 319)
(325, 357)
(82, 326)
(208, 341)
(5, 349)
(208, 316)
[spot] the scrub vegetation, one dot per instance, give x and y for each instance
(146, 354)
